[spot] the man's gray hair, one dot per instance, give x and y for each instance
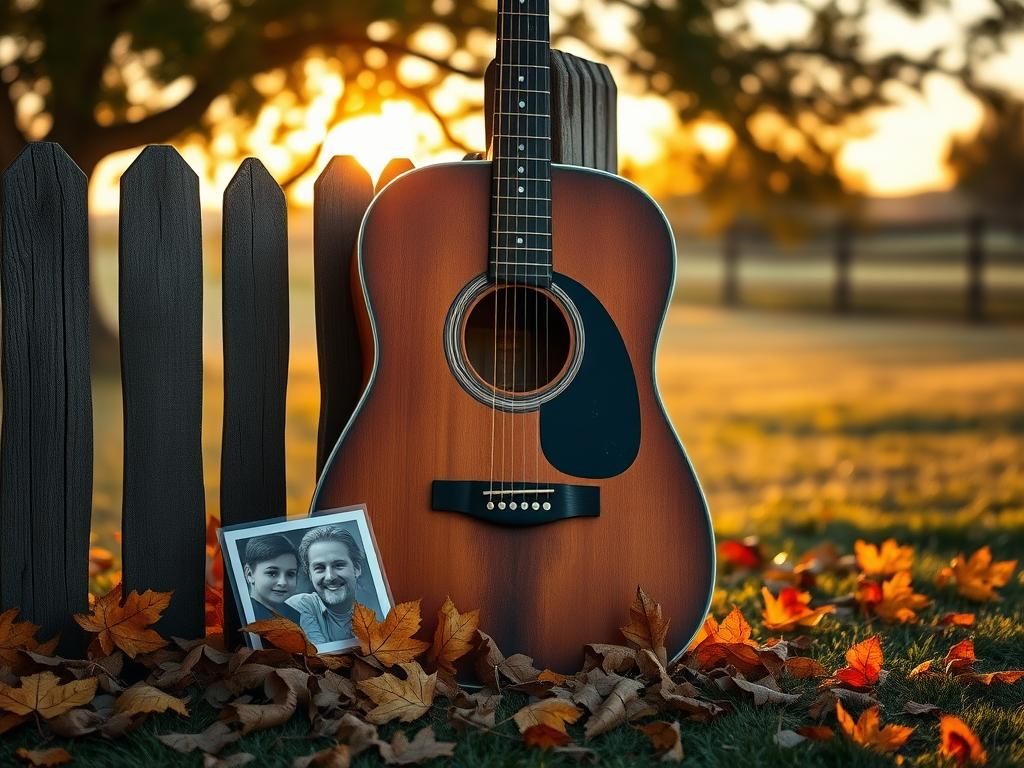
(330, 533)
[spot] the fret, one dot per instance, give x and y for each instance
(523, 216)
(520, 136)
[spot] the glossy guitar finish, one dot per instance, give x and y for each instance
(543, 589)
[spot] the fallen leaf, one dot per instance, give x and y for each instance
(283, 634)
(390, 641)
(210, 741)
(791, 609)
(551, 712)
(454, 635)
(142, 699)
(960, 658)
(9, 722)
(957, 619)
(259, 717)
(665, 740)
(126, 626)
(885, 560)
(869, 733)
(958, 741)
(913, 708)
(920, 669)
(864, 664)
(44, 758)
(613, 710)
(398, 699)
(543, 736)
(816, 732)
(44, 695)
(1007, 677)
(788, 739)
(978, 577)
(829, 697)
(803, 667)
(733, 629)
(16, 636)
(424, 746)
(337, 756)
(894, 601)
(474, 710)
(647, 626)
(744, 554)
(610, 658)
(764, 695)
(231, 761)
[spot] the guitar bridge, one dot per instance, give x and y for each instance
(515, 504)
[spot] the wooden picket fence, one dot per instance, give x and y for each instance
(46, 445)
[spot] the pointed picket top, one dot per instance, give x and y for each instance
(253, 180)
(46, 463)
(161, 321)
(395, 168)
(340, 197)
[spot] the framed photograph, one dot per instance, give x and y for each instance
(310, 570)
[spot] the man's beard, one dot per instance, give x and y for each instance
(338, 597)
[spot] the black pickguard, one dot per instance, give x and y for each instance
(593, 428)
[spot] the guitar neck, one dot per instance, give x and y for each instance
(520, 242)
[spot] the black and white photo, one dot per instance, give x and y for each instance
(311, 571)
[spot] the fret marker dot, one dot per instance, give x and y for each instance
(522, 104)
(521, 189)
(519, 240)
(521, 79)
(521, 169)
(522, 147)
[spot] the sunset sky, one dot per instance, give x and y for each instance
(900, 150)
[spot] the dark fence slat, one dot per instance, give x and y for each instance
(588, 115)
(255, 314)
(46, 465)
(161, 324)
(340, 198)
(565, 114)
(395, 168)
(610, 121)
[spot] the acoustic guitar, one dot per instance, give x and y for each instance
(511, 445)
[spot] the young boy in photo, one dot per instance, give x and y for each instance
(271, 569)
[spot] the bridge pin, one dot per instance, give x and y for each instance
(513, 505)
(536, 505)
(547, 505)
(490, 505)
(501, 505)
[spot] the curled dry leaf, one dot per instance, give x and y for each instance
(647, 626)
(610, 658)
(210, 741)
(802, 667)
(884, 560)
(283, 634)
(791, 609)
(337, 756)
(762, 694)
(543, 736)
(894, 601)
(864, 665)
(816, 732)
(551, 712)
(398, 699)
(977, 577)
(474, 710)
(390, 641)
(960, 658)
(665, 740)
(454, 635)
(923, 668)
(613, 711)
(914, 708)
(869, 732)
(424, 746)
(45, 758)
(126, 626)
(142, 699)
(44, 695)
(231, 761)
(958, 741)
(827, 699)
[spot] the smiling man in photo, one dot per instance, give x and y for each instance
(333, 561)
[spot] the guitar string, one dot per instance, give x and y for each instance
(496, 125)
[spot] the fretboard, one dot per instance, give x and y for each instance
(520, 245)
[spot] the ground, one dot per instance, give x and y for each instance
(803, 429)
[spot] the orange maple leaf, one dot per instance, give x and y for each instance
(895, 601)
(454, 635)
(390, 641)
(44, 695)
(957, 619)
(554, 713)
(647, 626)
(125, 626)
(958, 741)
(791, 609)
(869, 733)
(864, 664)
(397, 698)
(284, 634)
(960, 658)
(885, 560)
(17, 635)
(543, 736)
(978, 577)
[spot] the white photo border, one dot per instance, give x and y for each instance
(232, 534)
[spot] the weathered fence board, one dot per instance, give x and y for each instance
(46, 446)
(255, 315)
(161, 294)
(395, 168)
(341, 194)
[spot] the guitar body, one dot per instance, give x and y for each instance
(546, 581)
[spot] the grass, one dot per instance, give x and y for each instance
(803, 430)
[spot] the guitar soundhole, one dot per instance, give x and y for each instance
(517, 340)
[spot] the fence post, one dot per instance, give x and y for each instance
(160, 289)
(255, 313)
(46, 463)
(843, 253)
(731, 266)
(975, 268)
